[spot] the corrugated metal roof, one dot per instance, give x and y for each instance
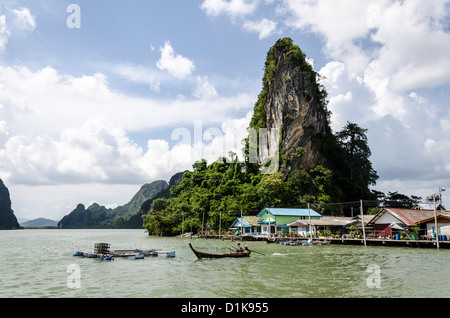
(367, 219)
(247, 222)
(324, 221)
(409, 217)
(289, 212)
(439, 215)
(252, 220)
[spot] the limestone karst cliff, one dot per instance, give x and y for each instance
(292, 107)
(8, 220)
(291, 121)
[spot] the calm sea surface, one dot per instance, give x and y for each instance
(39, 263)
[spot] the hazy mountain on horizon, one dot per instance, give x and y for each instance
(39, 222)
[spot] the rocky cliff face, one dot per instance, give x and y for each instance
(8, 220)
(292, 107)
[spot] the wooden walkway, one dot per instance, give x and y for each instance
(384, 242)
(345, 241)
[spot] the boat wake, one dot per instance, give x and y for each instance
(279, 254)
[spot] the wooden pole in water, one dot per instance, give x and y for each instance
(363, 225)
(242, 222)
(220, 224)
(275, 225)
(310, 228)
(435, 222)
(203, 223)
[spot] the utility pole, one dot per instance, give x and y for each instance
(439, 196)
(362, 221)
(220, 224)
(242, 221)
(310, 227)
(435, 222)
(203, 223)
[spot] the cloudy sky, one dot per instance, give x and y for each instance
(100, 97)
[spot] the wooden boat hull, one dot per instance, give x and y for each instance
(201, 255)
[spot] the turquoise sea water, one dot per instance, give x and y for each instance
(40, 263)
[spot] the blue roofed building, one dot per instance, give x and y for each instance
(247, 225)
(275, 220)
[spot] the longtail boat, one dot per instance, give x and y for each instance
(200, 255)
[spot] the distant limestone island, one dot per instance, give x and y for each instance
(8, 220)
(128, 216)
(38, 223)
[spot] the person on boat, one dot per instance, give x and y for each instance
(239, 249)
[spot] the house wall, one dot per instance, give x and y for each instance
(303, 230)
(264, 229)
(251, 230)
(279, 220)
(387, 218)
(444, 228)
(285, 219)
(382, 230)
(381, 226)
(266, 216)
(256, 230)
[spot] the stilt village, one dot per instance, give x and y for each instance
(418, 227)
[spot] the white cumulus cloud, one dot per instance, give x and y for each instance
(24, 19)
(232, 8)
(140, 74)
(240, 11)
(177, 65)
(204, 89)
(263, 27)
(4, 32)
